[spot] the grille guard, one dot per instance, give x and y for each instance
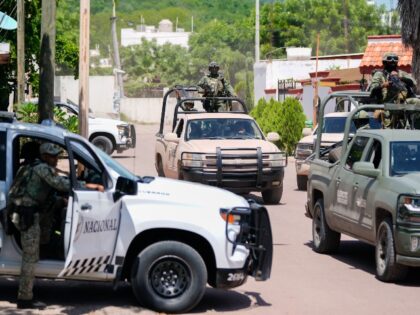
(255, 234)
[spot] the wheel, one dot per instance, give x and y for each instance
(169, 277)
(159, 166)
(325, 240)
(272, 195)
(387, 269)
(302, 182)
(103, 143)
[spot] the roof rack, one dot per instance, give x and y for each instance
(189, 94)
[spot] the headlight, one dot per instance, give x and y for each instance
(409, 209)
(276, 160)
(193, 159)
(303, 150)
(122, 130)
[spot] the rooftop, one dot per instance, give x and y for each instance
(379, 45)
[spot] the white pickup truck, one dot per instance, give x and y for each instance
(168, 238)
(107, 134)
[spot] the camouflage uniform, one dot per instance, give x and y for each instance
(397, 92)
(32, 187)
(215, 85)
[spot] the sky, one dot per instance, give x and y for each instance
(388, 3)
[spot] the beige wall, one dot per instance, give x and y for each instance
(146, 110)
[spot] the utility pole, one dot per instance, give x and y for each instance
(117, 61)
(47, 61)
(21, 51)
(315, 101)
(346, 24)
(257, 30)
(84, 67)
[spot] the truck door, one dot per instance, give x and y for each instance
(172, 152)
(92, 220)
(363, 185)
(343, 205)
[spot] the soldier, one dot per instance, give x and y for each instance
(391, 85)
(215, 85)
(29, 194)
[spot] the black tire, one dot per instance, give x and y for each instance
(387, 268)
(325, 240)
(104, 143)
(167, 261)
(302, 182)
(159, 166)
(180, 173)
(272, 196)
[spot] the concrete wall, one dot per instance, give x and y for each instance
(268, 72)
(101, 92)
(146, 110)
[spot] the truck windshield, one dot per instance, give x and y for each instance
(405, 157)
(337, 124)
(223, 128)
(117, 167)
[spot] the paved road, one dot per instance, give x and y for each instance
(302, 281)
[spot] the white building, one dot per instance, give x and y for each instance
(164, 34)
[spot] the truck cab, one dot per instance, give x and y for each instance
(139, 229)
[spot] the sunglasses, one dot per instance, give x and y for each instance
(391, 58)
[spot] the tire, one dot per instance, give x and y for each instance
(325, 240)
(302, 182)
(104, 143)
(272, 196)
(180, 173)
(178, 263)
(159, 166)
(387, 268)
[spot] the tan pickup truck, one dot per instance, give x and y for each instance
(223, 149)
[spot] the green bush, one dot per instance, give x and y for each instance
(28, 112)
(286, 118)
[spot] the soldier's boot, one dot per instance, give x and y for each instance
(30, 304)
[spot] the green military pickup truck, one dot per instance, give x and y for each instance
(368, 187)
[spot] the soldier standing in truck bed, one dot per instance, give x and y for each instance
(215, 85)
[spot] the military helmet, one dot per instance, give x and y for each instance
(49, 148)
(390, 57)
(213, 65)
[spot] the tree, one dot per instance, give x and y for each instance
(410, 32)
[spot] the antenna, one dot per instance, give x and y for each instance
(192, 24)
(176, 25)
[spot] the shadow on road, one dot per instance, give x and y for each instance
(77, 297)
(226, 300)
(359, 255)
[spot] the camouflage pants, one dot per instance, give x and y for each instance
(30, 256)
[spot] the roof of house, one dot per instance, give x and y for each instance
(379, 45)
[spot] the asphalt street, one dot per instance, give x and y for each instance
(302, 281)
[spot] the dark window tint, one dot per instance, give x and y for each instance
(356, 151)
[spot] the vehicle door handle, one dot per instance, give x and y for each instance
(338, 181)
(86, 207)
(356, 186)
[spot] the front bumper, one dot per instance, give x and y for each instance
(238, 182)
(406, 255)
(255, 235)
(302, 167)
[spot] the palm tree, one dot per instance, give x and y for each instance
(410, 32)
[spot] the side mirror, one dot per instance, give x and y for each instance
(171, 137)
(125, 186)
(306, 132)
(273, 136)
(366, 169)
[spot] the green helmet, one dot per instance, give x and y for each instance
(389, 57)
(49, 148)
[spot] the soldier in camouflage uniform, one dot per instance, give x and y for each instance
(29, 193)
(215, 85)
(391, 85)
